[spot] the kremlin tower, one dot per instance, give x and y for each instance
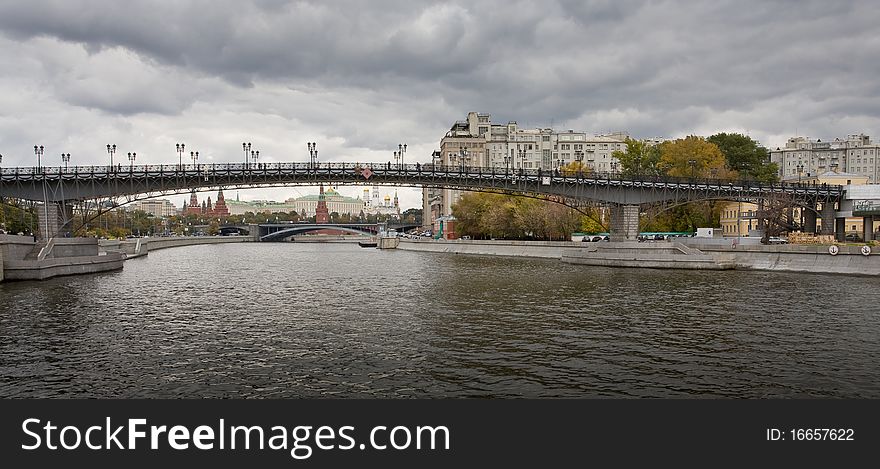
(220, 208)
(206, 208)
(193, 207)
(322, 215)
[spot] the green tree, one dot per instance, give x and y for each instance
(745, 156)
(639, 159)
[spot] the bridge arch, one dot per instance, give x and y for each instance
(302, 229)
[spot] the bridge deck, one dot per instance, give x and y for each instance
(97, 182)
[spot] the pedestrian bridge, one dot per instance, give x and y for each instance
(65, 186)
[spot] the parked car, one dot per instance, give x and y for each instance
(777, 240)
(854, 238)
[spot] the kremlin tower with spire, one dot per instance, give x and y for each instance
(218, 209)
(322, 214)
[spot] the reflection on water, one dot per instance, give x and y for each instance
(310, 320)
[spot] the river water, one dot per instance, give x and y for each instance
(312, 320)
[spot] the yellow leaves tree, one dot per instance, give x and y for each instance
(693, 156)
(575, 168)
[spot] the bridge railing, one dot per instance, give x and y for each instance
(388, 170)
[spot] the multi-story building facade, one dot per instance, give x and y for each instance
(156, 207)
(477, 141)
(802, 157)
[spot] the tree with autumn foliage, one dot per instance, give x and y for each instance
(693, 157)
(489, 215)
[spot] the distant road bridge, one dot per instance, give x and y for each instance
(281, 231)
(64, 186)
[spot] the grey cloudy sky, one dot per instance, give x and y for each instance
(360, 77)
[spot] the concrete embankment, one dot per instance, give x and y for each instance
(137, 247)
(691, 254)
(21, 258)
(848, 260)
(545, 249)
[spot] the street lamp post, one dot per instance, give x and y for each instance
(131, 158)
(800, 170)
(693, 164)
(313, 153)
(195, 156)
(522, 158)
(65, 157)
(246, 147)
(38, 150)
(111, 149)
(401, 149)
(180, 148)
(397, 156)
(255, 155)
(462, 155)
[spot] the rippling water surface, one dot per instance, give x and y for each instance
(311, 320)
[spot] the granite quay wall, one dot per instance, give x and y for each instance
(54, 267)
(849, 260)
(137, 247)
(544, 249)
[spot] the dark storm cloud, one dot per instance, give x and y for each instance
(668, 65)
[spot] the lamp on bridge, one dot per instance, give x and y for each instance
(111, 149)
(693, 164)
(800, 170)
(131, 158)
(65, 157)
(38, 150)
(180, 148)
(401, 149)
(246, 148)
(255, 155)
(522, 157)
(462, 155)
(397, 156)
(313, 153)
(195, 156)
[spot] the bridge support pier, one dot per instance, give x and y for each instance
(840, 229)
(809, 220)
(254, 231)
(867, 228)
(624, 222)
(827, 213)
(52, 219)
